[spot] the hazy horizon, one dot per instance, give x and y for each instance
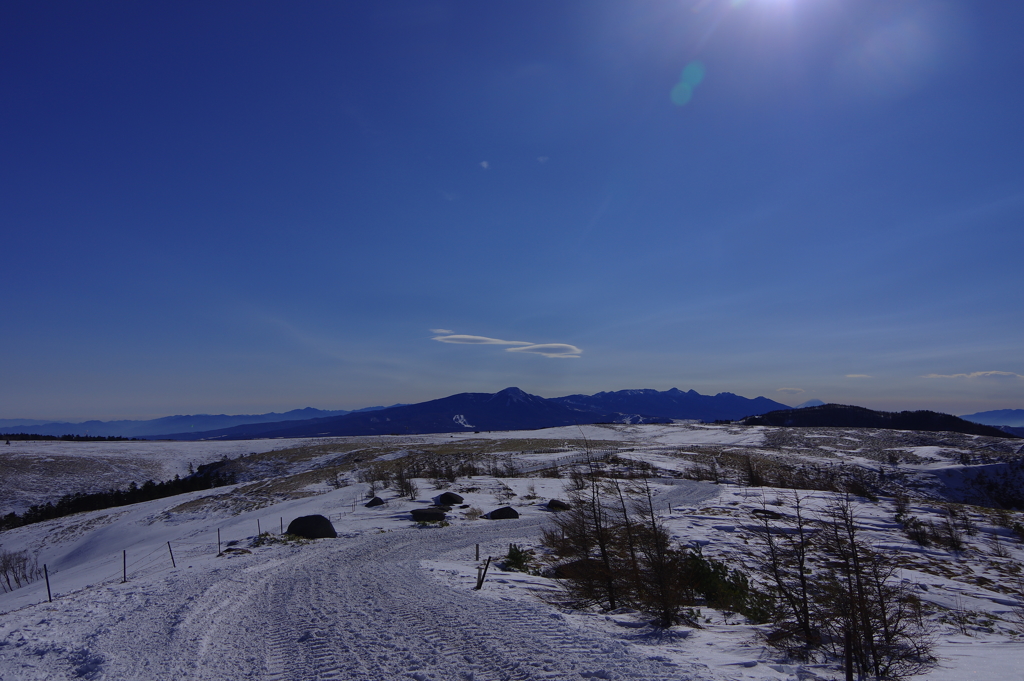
(243, 208)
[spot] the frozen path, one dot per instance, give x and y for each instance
(352, 608)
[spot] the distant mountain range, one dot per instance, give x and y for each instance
(167, 424)
(672, 404)
(845, 416)
(509, 409)
(513, 409)
(999, 417)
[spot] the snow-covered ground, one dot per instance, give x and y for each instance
(40, 471)
(392, 600)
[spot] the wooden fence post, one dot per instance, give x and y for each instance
(259, 531)
(482, 577)
(218, 542)
(478, 552)
(170, 551)
(46, 573)
(124, 566)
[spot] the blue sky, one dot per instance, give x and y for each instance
(250, 206)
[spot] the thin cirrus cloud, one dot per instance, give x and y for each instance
(857, 376)
(978, 374)
(558, 350)
(790, 391)
(555, 350)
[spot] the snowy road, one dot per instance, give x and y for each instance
(352, 608)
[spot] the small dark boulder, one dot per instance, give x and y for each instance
(441, 508)
(427, 515)
(312, 527)
(504, 513)
(376, 501)
(449, 499)
(556, 505)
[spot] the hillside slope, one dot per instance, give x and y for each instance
(846, 416)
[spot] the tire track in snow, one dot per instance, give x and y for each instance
(346, 609)
(368, 611)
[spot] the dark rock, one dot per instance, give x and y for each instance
(441, 508)
(556, 505)
(312, 527)
(504, 513)
(427, 515)
(766, 513)
(376, 501)
(449, 499)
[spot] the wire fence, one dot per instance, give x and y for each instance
(127, 565)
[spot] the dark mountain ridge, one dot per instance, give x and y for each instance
(511, 409)
(846, 416)
(673, 404)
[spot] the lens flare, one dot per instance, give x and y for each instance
(692, 76)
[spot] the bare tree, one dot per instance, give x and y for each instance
(851, 606)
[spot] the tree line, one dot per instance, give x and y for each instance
(67, 438)
(206, 476)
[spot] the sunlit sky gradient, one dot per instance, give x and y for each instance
(239, 207)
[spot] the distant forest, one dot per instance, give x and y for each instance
(67, 438)
(846, 416)
(206, 476)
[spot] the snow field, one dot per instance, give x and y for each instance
(392, 600)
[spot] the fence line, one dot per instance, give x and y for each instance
(154, 562)
(159, 559)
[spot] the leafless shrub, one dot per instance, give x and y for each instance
(405, 486)
(1017, 609)
(918, 531)
(949, 534)
(997, 547)
(503, 494)
(901, 502)
(337, 480)
(17, 569)
(373, 489)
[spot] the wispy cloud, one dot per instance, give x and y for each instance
(476, 340)
(556, 350)
(977, 374)
(858, 376)
(790, 391)
(485, 165)
(560, 350)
